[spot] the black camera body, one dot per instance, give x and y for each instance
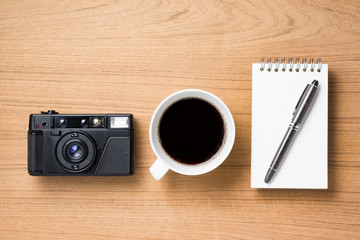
(91, 144)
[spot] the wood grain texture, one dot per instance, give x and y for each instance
(126, 56)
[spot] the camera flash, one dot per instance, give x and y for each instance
(119, 122)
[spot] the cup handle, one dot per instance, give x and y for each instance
(158, 169)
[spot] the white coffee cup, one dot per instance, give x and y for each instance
(164, 161)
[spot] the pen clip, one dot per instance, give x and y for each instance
(302, 96)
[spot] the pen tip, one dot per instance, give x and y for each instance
(269, 175)
(267, 180)
(315, 83)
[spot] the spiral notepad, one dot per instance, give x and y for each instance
(276, 88)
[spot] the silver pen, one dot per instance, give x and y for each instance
(299, 112)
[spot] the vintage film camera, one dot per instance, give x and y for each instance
(86, 144)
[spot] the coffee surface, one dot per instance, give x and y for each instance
(191, 131)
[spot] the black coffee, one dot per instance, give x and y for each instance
(191, 131)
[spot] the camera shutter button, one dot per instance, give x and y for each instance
(49, 112)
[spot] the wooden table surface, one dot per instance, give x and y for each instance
(127, 56)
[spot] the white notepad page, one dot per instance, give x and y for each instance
(274, 96)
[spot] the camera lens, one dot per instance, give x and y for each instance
(75, 151)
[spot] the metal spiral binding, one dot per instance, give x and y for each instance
(291, 64)
(312, 64)
(283, 62)
(297, 64)
(276, 68)
(319, 64)
(269, 63)
(304, 62)
(262, 62)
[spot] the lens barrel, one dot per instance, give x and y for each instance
(76, 151)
